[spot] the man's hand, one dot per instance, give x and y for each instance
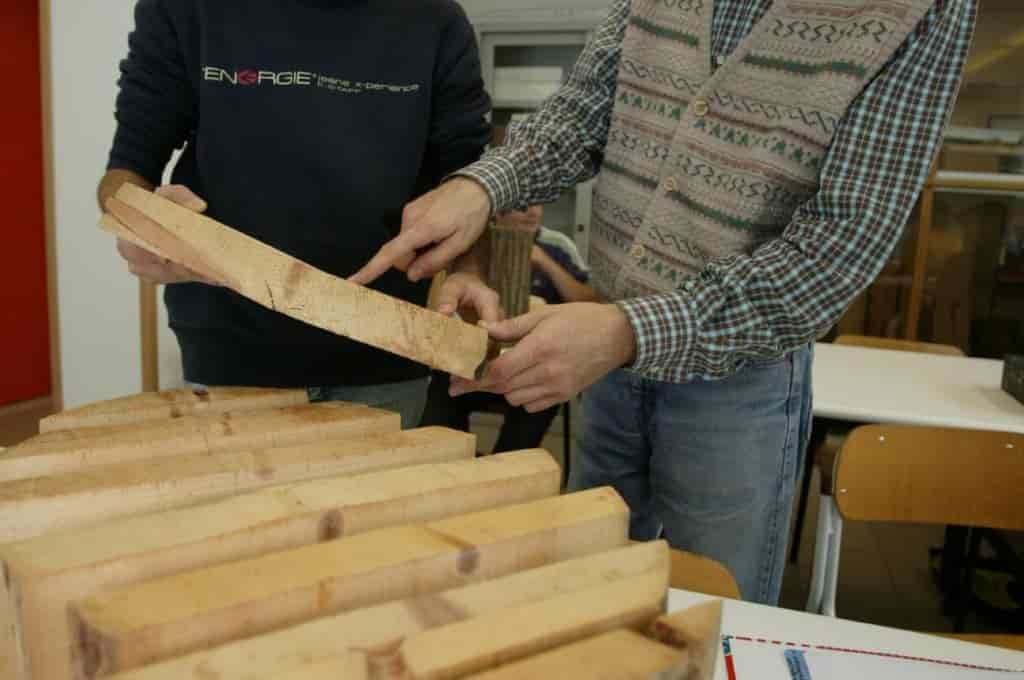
(449, 219)
(145, 264)
(467, 293)
(562, 350)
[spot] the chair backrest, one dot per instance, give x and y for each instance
(932, 475)
(897, 344)
(701, 575)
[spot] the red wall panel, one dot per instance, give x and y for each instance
(24, 331)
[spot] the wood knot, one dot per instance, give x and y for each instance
(332, 525)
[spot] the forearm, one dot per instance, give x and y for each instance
(112, 181)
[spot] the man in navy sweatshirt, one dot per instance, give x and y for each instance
(307, 125)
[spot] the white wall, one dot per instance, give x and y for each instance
(99, 310)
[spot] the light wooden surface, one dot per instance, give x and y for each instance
(898, 345)
(128, 627)
(285, 653)
(774, 623)
(74, 450)
(506, 635)
(698, 631)
(859, 384)
(280, 282)
(702, 574)
(616, 654)
(148, 406)
(932, 476)
(30, 507)
(47, 573)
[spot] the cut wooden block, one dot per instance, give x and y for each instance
(30, 507)
(617, 655)
(74, 450)
(698, 631)
(147, 622)
(295, 651)
(139, 408)
(284, 284)
(45, 574)
(506, 635)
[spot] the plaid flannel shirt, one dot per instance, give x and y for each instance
(786, 293)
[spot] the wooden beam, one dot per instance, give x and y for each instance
(136, 625)
(30, 507)
(698, 631)
(277, 655)
(504, 636)
(510, 267)
(919, 263)
(996, 54)
(148, 339)
(168, 404)
(49, 208)
(284, 284)
(44, 575)
(74, 450)
(616, 654)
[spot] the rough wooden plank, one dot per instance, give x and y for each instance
(132, 626)
(74, 450)
(30, 507)
(698, 631)
(616, 655)
(45, 574)
(481, 643)
(291, 651)
(147, 406)
(284, 284)
(510, 269)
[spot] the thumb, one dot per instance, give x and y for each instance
(449, 297)
(516, 328)
(183, 196)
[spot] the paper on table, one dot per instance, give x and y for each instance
(748, 659)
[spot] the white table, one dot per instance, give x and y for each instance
(753, 620)
(864, 385)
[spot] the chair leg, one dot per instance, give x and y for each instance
(966, 591)
(818, 433)
(835, 549)
(826, 558)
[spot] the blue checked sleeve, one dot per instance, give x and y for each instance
(792, 289)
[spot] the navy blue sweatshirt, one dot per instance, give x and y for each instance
(308, 125)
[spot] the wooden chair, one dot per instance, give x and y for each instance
(918, 475)
(822, 452)
(701, 575)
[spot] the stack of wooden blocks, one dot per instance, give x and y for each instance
(245, 533)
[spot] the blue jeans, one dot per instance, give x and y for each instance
(406, 398)
(712, 464)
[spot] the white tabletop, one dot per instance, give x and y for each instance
(885, 386)
(759, 621)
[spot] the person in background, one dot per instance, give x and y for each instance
(558, 275)
(307, 125)
(756, 162)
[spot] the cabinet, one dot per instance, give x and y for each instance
(524, 55)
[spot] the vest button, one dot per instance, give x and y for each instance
(671, 184)
(701, 107)
(637, 251)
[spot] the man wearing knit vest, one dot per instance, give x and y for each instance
(756, 163)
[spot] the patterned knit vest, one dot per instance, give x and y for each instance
(701, 166)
